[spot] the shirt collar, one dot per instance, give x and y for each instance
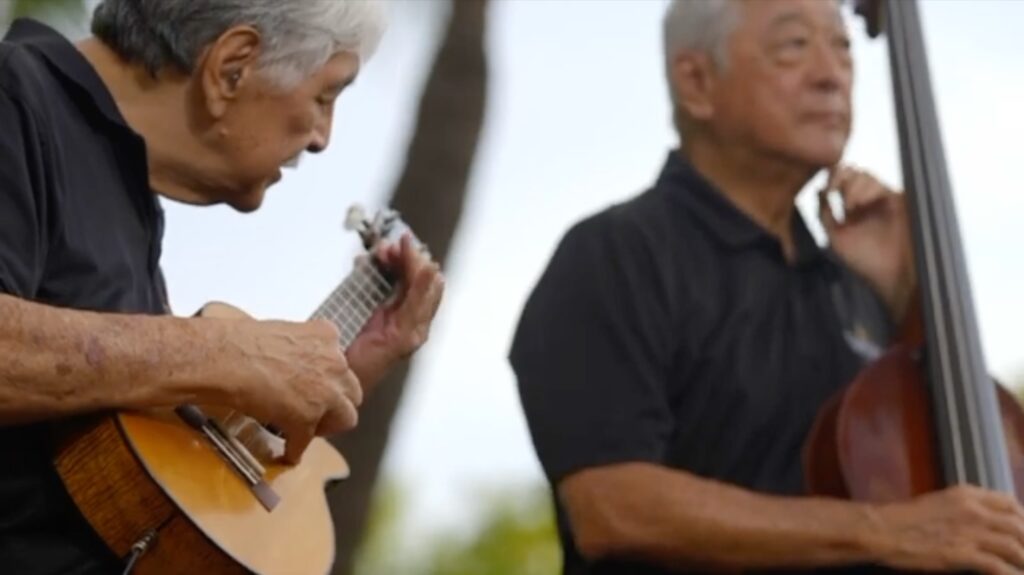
(65, 58)
(723, 220)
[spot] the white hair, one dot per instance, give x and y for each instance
(700, 26)
(299, 35)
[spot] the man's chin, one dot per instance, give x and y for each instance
(820, 157)
(249, 201)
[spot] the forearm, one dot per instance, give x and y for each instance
(56, 362)
(675, 519)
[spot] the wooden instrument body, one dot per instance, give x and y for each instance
(131, 474)
(875, 440)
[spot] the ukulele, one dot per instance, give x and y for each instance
(197, 489)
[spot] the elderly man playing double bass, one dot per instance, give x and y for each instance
(678, 347)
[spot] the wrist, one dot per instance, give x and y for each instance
(896, 301)
(370, 366)
(223, 362)
(899, 294)
(368, 373)
(194, 362)
(871, 536)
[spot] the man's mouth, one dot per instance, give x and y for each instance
(836, 119)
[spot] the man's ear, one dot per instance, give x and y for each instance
(227, 65)
(693, 81)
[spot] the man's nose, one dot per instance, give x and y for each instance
(321, 137)
(830, 69)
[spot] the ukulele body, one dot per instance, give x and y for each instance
(135, 476)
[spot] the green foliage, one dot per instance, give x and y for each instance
(44, 9)
(514, 534)
(518, 537)
(65, 15)
(382, 533)
(70, 8)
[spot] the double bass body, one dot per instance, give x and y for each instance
(876, 440)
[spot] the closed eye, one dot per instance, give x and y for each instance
(800, 42)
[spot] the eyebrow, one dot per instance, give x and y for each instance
(787, 18)
(793, 17)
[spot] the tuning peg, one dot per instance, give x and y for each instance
(355, 219)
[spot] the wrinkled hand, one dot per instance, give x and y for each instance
(400, 327)
(962, 528)
(294, 377)
(874, 237)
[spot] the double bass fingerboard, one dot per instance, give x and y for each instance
(967, 416)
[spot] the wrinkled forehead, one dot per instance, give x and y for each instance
(763, 16)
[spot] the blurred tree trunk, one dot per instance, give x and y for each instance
(430, 195)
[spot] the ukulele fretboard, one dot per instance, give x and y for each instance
(353, 302)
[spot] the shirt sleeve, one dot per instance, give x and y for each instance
(593, 350)
(22, 202)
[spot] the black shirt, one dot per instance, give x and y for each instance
(79, 228)
(670, 329)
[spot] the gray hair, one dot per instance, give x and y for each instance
(299, 36)
(698, 25)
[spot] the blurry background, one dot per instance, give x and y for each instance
(493, 131)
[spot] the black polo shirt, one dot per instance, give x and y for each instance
(79, 228)
(670, 329)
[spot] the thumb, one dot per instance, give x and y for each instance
(295, 445)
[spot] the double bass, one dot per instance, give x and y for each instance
(926, 414)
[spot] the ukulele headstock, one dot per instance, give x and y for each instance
(384, 225)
